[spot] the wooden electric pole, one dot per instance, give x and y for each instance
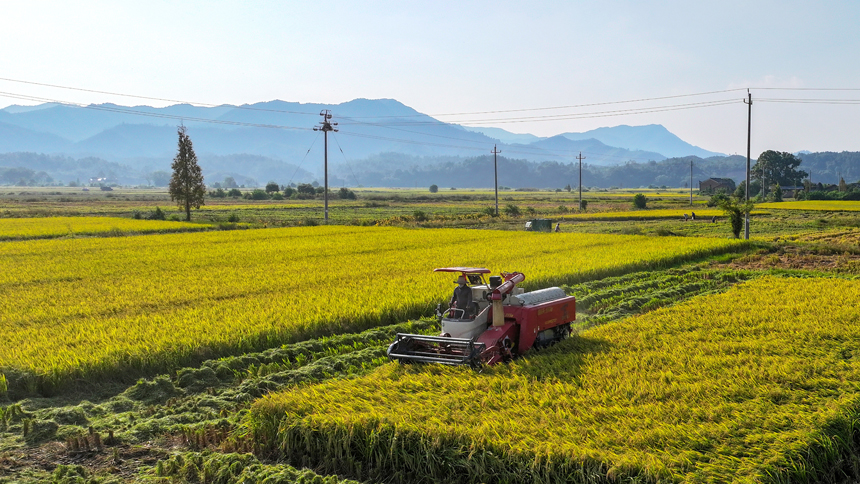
(495, 153)
(749, 134)
(691, 182)
(580, 158)
(326, 126)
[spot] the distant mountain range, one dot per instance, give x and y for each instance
(649, 138)
(274, 140)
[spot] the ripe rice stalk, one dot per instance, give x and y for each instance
(760, 383)
(138, 305)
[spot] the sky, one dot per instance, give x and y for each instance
(447, 57)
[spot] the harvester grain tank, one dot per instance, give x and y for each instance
(502, 321)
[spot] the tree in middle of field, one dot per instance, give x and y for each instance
(186, 183)
(779, 168)
(735, 208)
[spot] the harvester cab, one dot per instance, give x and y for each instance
(470, 321)
(489, 321)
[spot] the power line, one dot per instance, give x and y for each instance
(808, 88)
(809, 101)
(303, 159)
(556, 117)
(561, 107)
(345, 160)
(584, 115)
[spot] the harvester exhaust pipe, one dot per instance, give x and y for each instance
(511, 280)
(498, 313)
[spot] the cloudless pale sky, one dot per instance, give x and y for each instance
(459, 56)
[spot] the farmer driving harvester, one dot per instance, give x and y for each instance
(462, 297)
(489, 323)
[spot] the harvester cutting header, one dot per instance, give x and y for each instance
(489, 322)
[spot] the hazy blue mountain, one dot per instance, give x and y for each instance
(275, 135)
(78, 123)
(595, 152)
(505, 136)
(652, 137)
(15, 138)
(15, 108)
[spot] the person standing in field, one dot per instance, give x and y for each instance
(462, 297)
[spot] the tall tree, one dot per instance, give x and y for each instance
(186, 183)
(779, 168)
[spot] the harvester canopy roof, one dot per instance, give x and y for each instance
(465, 270)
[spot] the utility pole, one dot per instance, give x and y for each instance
(580, 158)
(691, 182)
(749, 134)
(495, 153)
(326, 126)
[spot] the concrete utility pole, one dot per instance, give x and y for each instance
(749, 134)
(691, 183)
(580, 158)
(326, 126)
(495, 153)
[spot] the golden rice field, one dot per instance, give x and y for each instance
(815, 205)
(668, 213)
(49, 227)
(761, 383)
(127, 305)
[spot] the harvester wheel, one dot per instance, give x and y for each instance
(564, 332)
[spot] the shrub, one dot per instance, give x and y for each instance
(584, 205)
(218, 193)
(777, 194)
(561, 209)
(491, 211)
(305, 189)
(233, 218)
(419, 216)
(234, 192)
(346, 194)
(639, 201)
(272, 187)
(158, 214)
(512, 210)
(434, 188)
(277, 196)
(259, 194)
(717, 198)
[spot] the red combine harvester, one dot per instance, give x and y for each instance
(501, 322)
